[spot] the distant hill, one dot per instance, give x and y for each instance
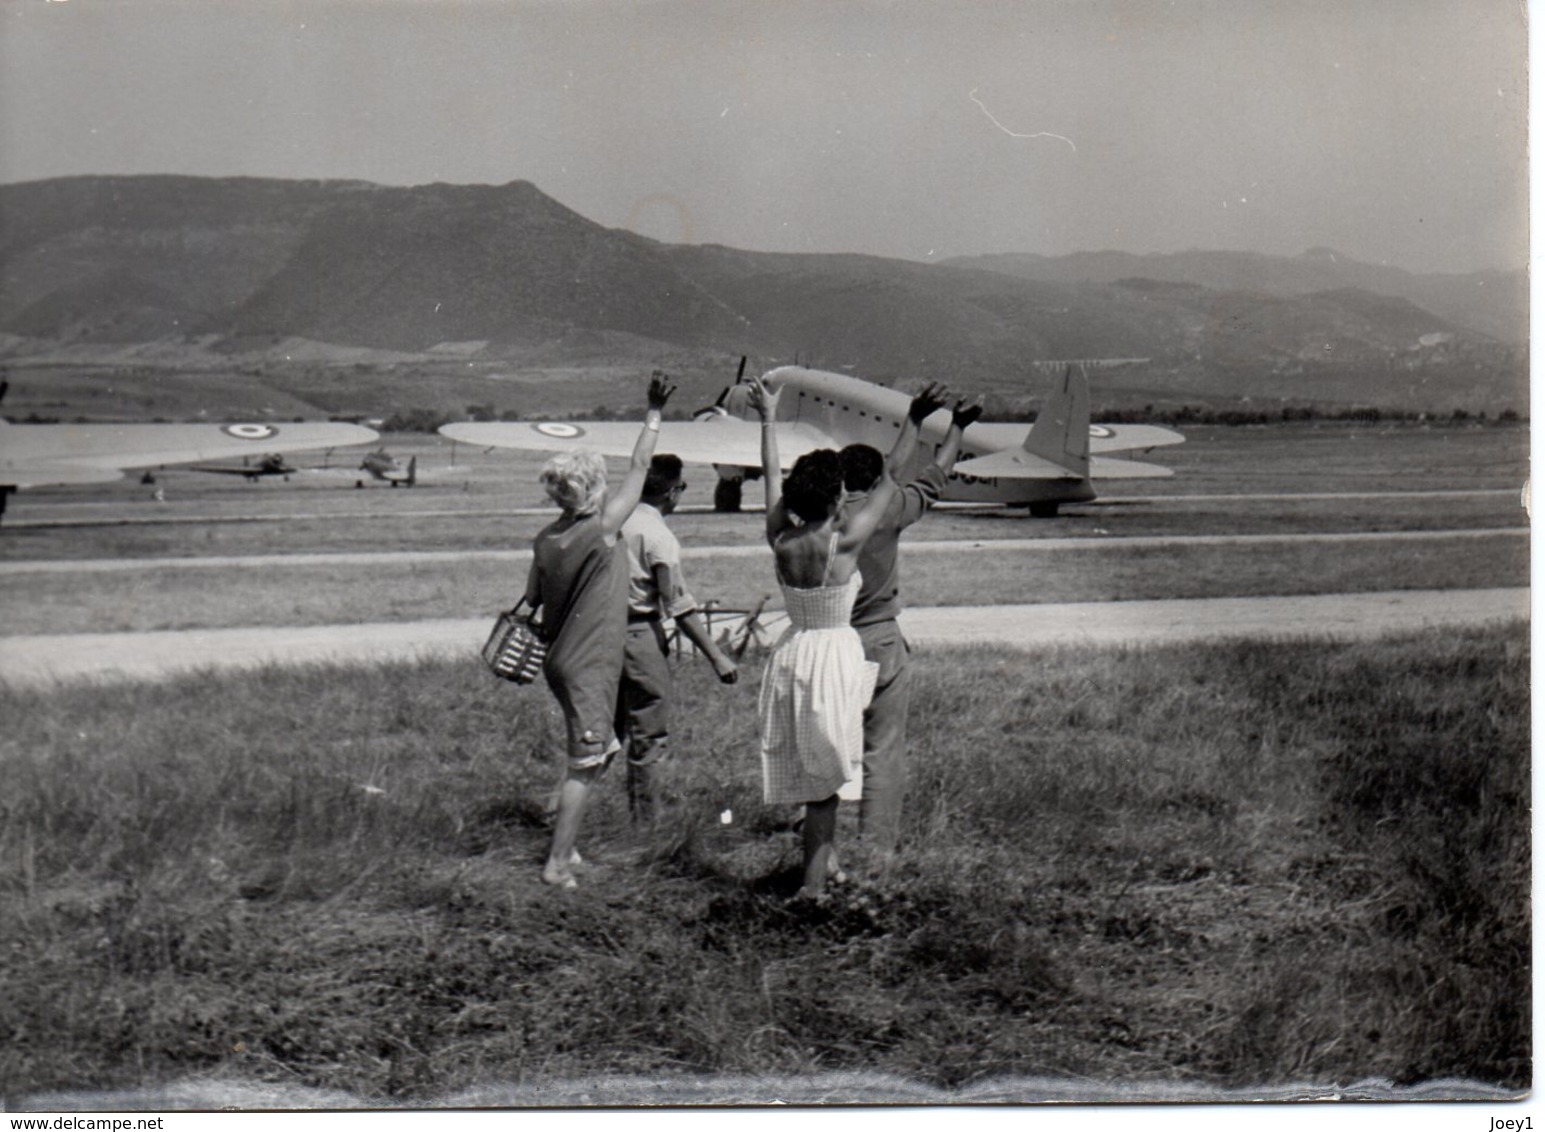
(491, 284)
(1494, 303)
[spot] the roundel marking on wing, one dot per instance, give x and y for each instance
(249, 431)
(1100, 432)
(559, 431)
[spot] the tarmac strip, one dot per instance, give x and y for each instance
(755, 550)
(46, 660)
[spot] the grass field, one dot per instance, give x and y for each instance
(164, 596)
(1239, 864)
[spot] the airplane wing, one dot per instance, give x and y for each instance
(35, 454)
(38, 473)
(1102, 437)
(1110, 468)
(1127, 437)
(719, 439)
(1017, 464)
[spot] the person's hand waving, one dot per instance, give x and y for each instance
(964, 412)
(935, 396)
(660, 390)
(764, 399)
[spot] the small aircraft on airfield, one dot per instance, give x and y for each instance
(270, 465)
(383, 466)
(1052, 463)
(35, 455)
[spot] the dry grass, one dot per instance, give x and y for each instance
(1239, 864)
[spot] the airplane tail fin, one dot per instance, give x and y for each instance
(413, 469)
(1061, 430)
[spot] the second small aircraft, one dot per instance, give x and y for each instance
(387, 468)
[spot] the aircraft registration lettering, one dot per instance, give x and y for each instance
(250, 431)
(561, 431)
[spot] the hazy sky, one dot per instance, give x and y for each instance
(1390, 130)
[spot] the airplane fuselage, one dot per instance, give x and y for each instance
(861, 412)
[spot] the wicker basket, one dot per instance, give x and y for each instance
(513, 650)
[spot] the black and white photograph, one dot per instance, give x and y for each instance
(859, 559)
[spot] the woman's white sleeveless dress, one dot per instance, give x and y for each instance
(814, 691)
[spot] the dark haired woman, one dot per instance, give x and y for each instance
(816, 683)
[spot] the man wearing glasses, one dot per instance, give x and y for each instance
(655, 592)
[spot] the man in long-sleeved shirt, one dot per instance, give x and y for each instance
(655, 592)
(874, 616)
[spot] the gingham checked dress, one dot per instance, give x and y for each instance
(812, 699)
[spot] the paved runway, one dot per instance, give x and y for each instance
(39, 661)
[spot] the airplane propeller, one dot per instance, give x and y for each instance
(740, 375)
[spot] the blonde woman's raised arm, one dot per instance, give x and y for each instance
(620, 503)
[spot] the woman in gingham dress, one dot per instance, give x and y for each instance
(816, 684)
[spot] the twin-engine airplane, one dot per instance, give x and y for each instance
(1053, 463)
(35, 455)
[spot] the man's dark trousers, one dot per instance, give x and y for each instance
(885, 736)
(643, 712)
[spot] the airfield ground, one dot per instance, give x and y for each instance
(1267, 513)
(1453, 491)
(1242, 864)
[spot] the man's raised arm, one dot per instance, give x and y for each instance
(933, 397)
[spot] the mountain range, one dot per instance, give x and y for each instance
(494, 276)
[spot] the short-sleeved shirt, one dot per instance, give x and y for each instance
(650, 544)
(879, 599)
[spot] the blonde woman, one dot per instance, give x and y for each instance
(579, 579)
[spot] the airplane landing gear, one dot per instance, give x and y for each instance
(1043, 510)
(726, 495)
(732, 481)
